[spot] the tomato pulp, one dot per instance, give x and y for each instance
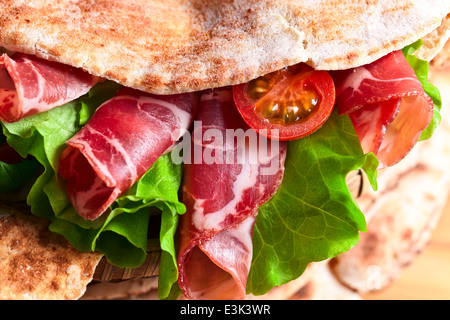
(287, 104)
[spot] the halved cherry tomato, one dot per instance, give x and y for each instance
(287, 104)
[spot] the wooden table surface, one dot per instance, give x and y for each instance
(428, 277)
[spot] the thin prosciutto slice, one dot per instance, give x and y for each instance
(387, 105)
(222, 199)
(29, 85)
(122, 140)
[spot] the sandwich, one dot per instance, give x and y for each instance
(229, 127)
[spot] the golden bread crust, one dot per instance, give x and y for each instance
(175, 46)
(37, 264)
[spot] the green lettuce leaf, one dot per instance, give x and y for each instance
(15, 176)
(313, 216)
(121, 235)
(421, 69)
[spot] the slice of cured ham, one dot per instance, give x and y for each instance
(222, 199)
(122, 140)
(387, 105)
(29, 85)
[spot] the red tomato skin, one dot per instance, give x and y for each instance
(323, 84)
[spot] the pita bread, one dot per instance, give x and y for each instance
(442, 59)
(434, 42)
(403, 213)
(36, 264)
(398, 230)
(317, 283)
(188, 45)
(176, 46)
